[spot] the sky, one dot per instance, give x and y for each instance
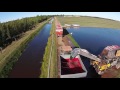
(8, 16)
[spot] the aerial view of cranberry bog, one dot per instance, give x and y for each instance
(60, 45)
(72, 68)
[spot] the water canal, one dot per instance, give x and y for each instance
(29, 63)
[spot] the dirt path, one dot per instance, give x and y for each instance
(67, 41)
(61, 41)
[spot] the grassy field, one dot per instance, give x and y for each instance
(53, 60)
(85, 21)
(53, 63)
(12, 52)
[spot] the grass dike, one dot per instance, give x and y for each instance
(73, 40)
(70, 37)
(49, 64)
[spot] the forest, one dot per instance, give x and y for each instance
(12, 30)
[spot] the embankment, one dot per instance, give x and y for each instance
(49, 64)
(69, 39)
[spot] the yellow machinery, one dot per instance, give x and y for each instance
(109, 57)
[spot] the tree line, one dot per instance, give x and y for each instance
(13, 30)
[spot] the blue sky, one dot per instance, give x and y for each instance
(7, 16)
